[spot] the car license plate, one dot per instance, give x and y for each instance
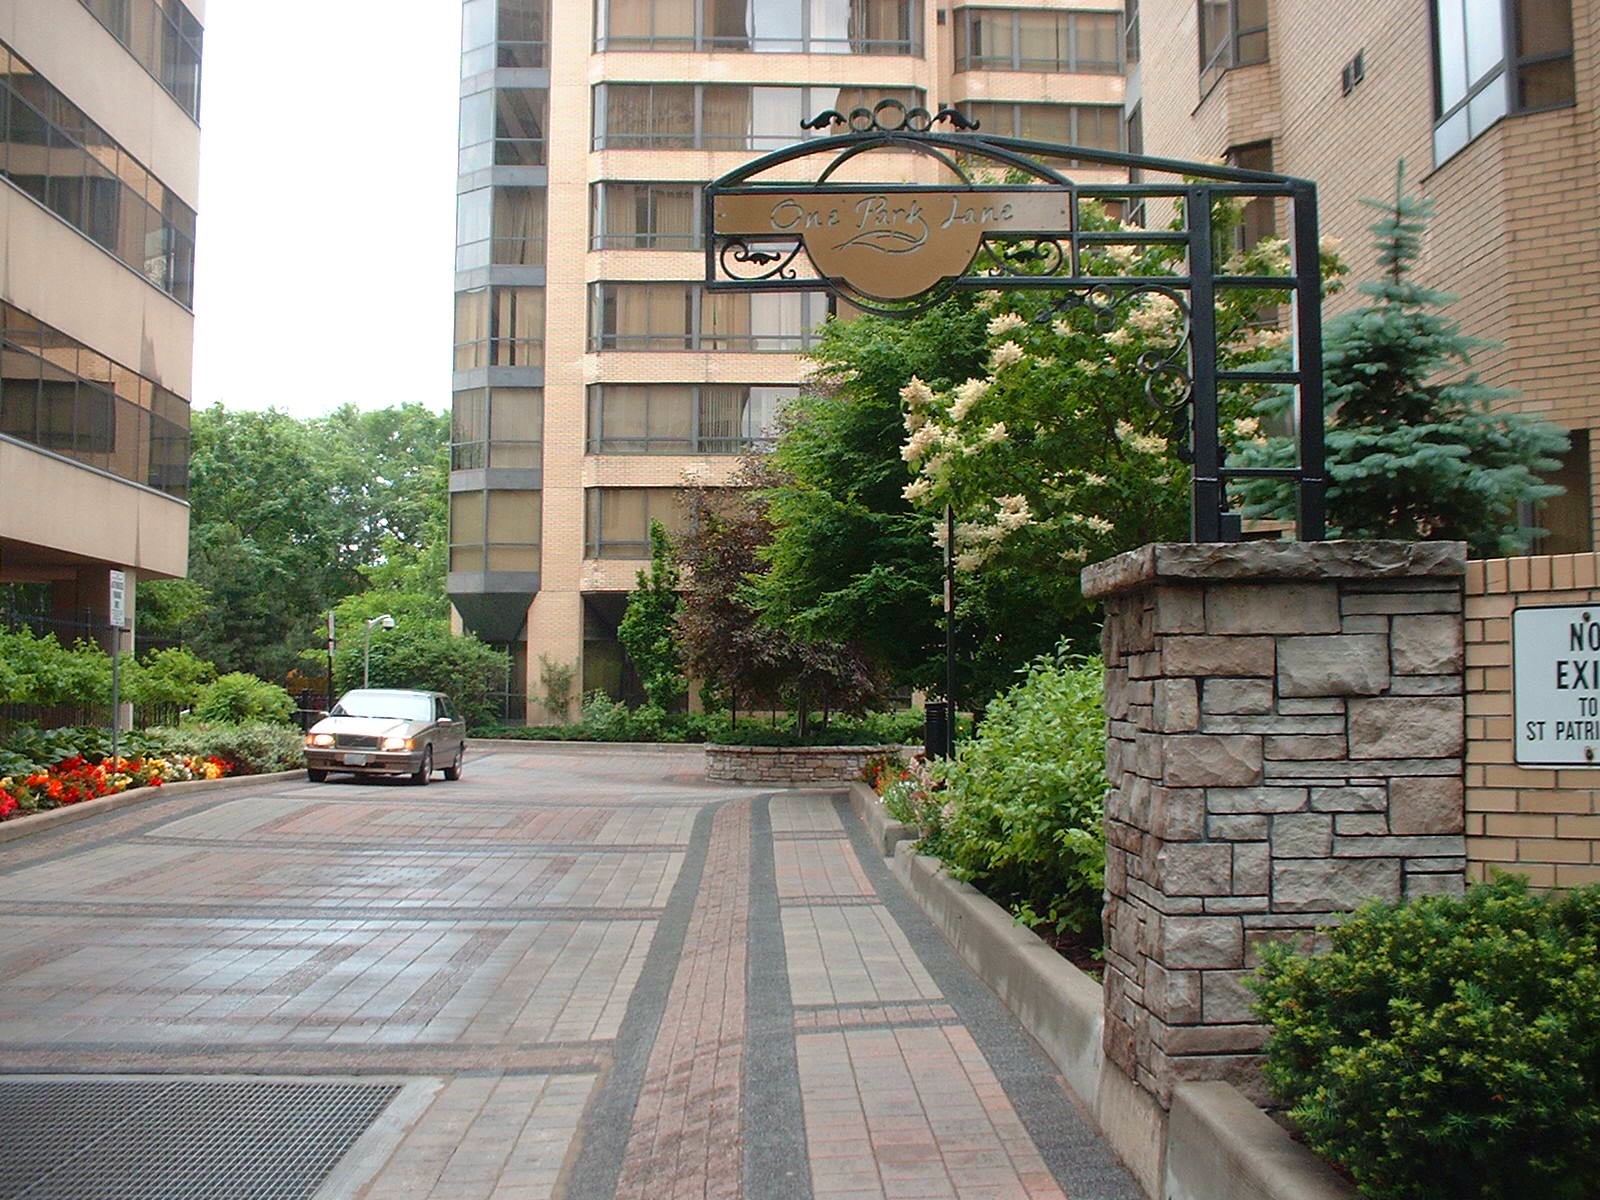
(355, 760)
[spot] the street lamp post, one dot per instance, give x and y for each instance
(366, 644)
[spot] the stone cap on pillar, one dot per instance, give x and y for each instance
(1203, 562)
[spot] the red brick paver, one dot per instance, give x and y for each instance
(686, 1128)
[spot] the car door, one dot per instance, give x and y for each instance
(451, 732)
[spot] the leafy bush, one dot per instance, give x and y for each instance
(29, 750)
(237, 698)
(424, 654)
(1021, 820)
(257, 747)
(39, 670)
(173, 676)
(1447, 1048)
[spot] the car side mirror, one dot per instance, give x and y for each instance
(447, 720)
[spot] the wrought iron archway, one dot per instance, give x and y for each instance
(767, 231)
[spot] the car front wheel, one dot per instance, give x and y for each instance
(316, 774)
(424, 775)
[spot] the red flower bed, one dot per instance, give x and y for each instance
(74, 780)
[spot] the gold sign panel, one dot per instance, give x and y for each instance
(893, 245)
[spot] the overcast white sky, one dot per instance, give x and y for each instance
(327, 204)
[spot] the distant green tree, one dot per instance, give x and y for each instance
(647, 630)
(423, 654)
(291, 516)
(1414, 448)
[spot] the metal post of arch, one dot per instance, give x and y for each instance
(1009, 218)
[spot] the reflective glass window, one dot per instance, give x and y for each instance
(66, 162)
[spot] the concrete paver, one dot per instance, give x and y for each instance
(605, 975)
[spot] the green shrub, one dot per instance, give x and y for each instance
(256, 746)
(1448, 1048)
(39, 670)
(172, 677)
(422, 653)
(1021, 820)
(237, 698)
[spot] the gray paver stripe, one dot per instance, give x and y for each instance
(1072, 1149)
(608, 1123)
(398, 914)
(774, 1125)
(475, 847)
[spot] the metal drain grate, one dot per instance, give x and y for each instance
(119, 1139)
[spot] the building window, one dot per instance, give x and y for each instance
(499, 327)
(683, 418)
(500, 225)
(1233, 33)
(759, 26)
(683, 116)
(1492, 57)
(504, 33)
(1092, 126)
(503, 127)
(164, 37)
(1004, 39)
(495, 530)
(617, 520)
(66, 162)
(645, 216)
(1130, 31)
(58, 394)
(684, 316)
(499, 427)
(1259, 219)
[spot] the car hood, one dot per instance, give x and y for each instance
(368, 726)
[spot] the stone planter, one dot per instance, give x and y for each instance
(790, 764)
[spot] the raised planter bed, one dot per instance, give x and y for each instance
(790, 764)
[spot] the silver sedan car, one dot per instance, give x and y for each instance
(387, 731)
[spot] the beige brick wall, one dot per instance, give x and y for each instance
(1515, 235)
(555, 624)
(1539, 822)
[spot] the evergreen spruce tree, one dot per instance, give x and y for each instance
(1411, 452)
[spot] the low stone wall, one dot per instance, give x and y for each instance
(790, 764)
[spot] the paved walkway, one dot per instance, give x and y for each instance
(593, 973)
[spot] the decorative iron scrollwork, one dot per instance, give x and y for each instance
(890, 116)
(1168, 375)
(742, 261)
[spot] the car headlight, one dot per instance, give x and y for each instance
(395, 743)
(319, 739)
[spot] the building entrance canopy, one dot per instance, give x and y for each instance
(905, 208)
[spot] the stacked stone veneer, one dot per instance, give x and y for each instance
(1284, 742)
(791, 764)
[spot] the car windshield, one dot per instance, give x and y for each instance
(403, 706)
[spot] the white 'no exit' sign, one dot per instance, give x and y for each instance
(1555, 668)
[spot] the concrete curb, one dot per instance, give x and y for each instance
(1055, 1002)
(1219, 1144)
(21, 827)
(1214, 1145)
(886, 833)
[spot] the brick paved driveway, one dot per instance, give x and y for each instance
(594, 973)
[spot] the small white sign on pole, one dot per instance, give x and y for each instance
(1555, 669)
(119, 599)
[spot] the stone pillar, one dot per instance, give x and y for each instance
(1284, 742)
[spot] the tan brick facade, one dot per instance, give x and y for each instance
(1515, 235)
(556, 617)
(1540, 822)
